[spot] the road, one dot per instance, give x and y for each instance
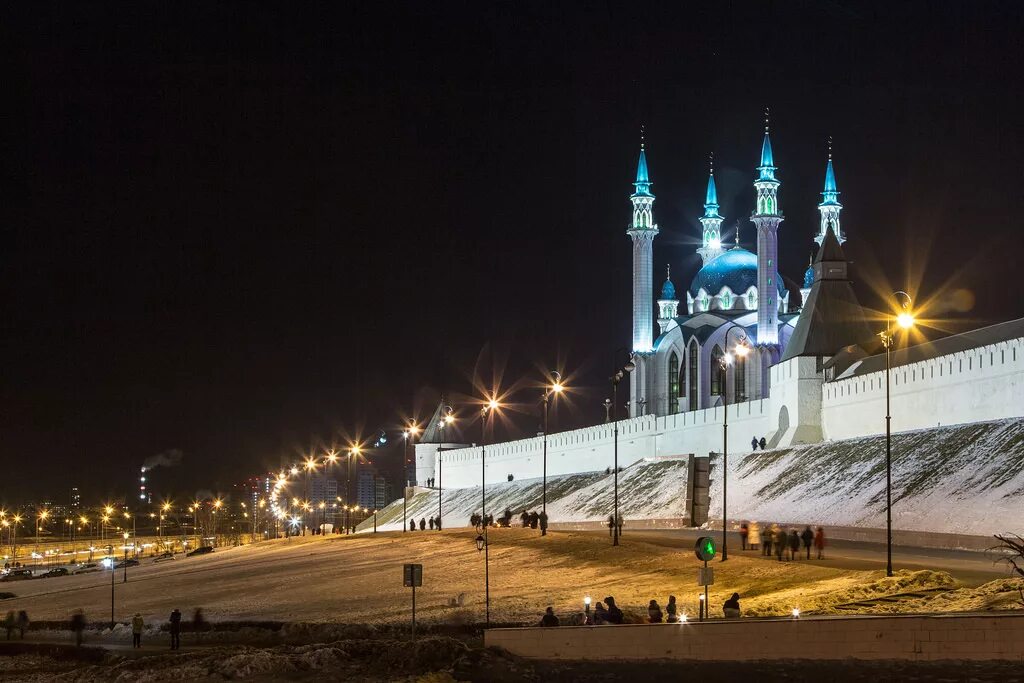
(970, 567)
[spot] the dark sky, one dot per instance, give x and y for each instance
(239, 230)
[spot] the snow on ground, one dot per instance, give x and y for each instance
(963, 479)
(358, 579)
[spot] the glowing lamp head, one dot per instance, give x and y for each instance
(741, 350)
(493, 404)
(294, 470)
(727, 358)
(905, 320)
(715, 243)
(557, 387)
(586, 601)
(449, 418)
(796, 613)
(682, 618)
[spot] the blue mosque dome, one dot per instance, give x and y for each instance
(809, 276)
(668, 291)
(736, 268)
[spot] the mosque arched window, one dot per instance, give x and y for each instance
(726, 300)
(673, 383)
(717, 372)
(692, 372)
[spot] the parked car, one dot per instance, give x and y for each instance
(164, 556)
(56, 571)
(17, 575)
(86, 568)
(202, 550)
(126, 563)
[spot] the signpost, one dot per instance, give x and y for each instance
(412, 576)
(705, 551)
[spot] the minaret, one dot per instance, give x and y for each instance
(830, 206)
(668, 304)
(767, 218)
(642, 231)
(805, 291)
(711, 240)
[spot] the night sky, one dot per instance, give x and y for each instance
(241, 231)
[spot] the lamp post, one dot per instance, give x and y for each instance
(410, 433)
(448, 418)
(125, 557)
(616, 377)
(110, 554)
(14, 538)
(40, 517)
(353, 452)
(741, 350)
(554, 388)
(904, 319)
(488, 408)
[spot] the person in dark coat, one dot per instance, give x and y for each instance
(9, 623)
(78, 626)
(549, 619)
(611, 525)
(600, 614)
(808, 538)
(753, 443)
(744, 532)
(423, 524)
(794, 544)
(654, 612)
(671, 611)
(762, 443)
(175, 629)
(731, 607)
(543, 520)
(525, 519)
(412, 525)
(614, 613)
(431, 523)
(437, 522)
(534, 520)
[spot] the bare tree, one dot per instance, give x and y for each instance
(1011, 547)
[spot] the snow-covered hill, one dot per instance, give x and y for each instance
(966, 479)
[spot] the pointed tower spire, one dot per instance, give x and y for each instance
(711, 221)
(642, 231)
(772, 299)
(830, 207)
(668, 304)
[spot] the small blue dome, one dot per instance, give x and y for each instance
(668, 291)
(808, 277)
(736, 268)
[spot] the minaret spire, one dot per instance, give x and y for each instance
(642, 231)
(767, 218)
(830, 207)
(668, 304)
(711, 221)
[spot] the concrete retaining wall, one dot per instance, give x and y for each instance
(922, 638)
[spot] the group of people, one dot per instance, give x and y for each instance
(535, 520)
(434, 522)
(138, 624)
(780, 541)
(755, 442)
(17, 622)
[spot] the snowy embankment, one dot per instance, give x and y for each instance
(963, 479)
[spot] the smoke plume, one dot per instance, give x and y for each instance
(168, 458)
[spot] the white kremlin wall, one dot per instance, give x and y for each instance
(979, 385)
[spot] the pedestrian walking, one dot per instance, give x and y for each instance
(600, 614)
(137, 625)
(807, 536)
(525, 519)
(769, 537)
(619, 524)
(437, 523)
(754, 538)
(753, 444)
(198, 622)
(779, 541)
(611, 525)
(731, 607)
(762, 443)
(423, 524)
(175, 629)
(534, 519)
(671, 611)
(543, 520)
(654, 612)
(794, 544)
(614, 613)
(78, 626)
(744, 534)
(549, 619)
(819, 543)
(9, 622)
(412, 525)
(22, 623)
(431, 523)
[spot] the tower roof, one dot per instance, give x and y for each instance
(767, 158)
(832, 317)
(830, 195)
(643, 181)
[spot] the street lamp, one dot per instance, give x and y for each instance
(14, 538)
(905, 320)
(409, 434)
(553, 389)
(353, 452)
(125, 557)
(741, 350)
(487, 409)
(616, 377)
(449, 418)
(41, 517)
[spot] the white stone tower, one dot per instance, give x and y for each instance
(830, 206)
(711, 222)
(642, 231)
(767, 218)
